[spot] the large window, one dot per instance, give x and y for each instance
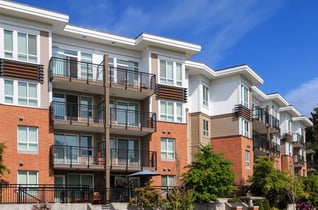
(28, 180)
(205, 96)
(20, 45)
(205, 128)
(20, 93)
(244, 95)
(167, 149)
(27, 138)
(244, 127)
(171, 111)
(170, 73)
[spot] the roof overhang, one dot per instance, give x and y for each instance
(242, 70)
(290, 110)
(304, 120)
(57, 20)
(275, 97)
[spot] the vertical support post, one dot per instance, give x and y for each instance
(106, 128)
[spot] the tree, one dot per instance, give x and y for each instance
(312, 137)
(3, 168)
(276, 185)
(179, 199)
(209, 176)
(147, 198)
(311, 186)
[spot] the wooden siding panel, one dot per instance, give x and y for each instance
(171, 93)
(21, 70)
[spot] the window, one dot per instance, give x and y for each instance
(27, 94)
(171, 111)
(8, 44)
(168, 181)
(86, 66)
(170, 73)
(29, 179)
(19, 43)
(86, 145)
(205, 128)
(167, 149)
(244, 95)
(8, 91)
(247, 159)
(27, 47)
(205, 96)
(27, 138)
(20, 93)
(244, 125)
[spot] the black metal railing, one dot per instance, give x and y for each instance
(275, 147)
(134, 118)
(262, 115)
(298, 139)
(77, 112)
(21, 194)
(131, 78)
(77, 155)
(74, 69)
(133, 158)
(260, 143)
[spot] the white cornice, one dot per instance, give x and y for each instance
(291, 110)
(304, 120)
(32, 13)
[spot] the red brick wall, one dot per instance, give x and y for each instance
(8, 134)
(234, 149)
(179, 133)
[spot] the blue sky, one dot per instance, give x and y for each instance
(278, 39)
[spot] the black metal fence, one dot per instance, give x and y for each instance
(19, 194)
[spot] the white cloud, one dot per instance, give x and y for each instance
(305, 97)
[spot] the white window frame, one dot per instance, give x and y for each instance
(205, 127)
(205, 96)
(244, 95)
(174, 80)
(15, 51)
(27, 140)
(170, 182)
(164, 150)
(244, 127)
(175, 116)
(15, 97)
(247, 159)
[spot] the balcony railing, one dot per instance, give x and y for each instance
(133, 158)
(75, 155)
(298, 138)
(74, 69)
(133, 118)
(262, 115)
(260, 143)
(76, 112)
(275, 147)
(130, 78)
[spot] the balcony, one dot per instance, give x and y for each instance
(262, 120)
(73, 116)
(75, 158)
(260, 145)
(131, 84)
(275, 149)
(298, 161)
(132, 122)
(75, 75)
(123, 159)
(298, 140)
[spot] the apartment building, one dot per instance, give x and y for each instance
(294, 151)
(83, 107)
(88, 108)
